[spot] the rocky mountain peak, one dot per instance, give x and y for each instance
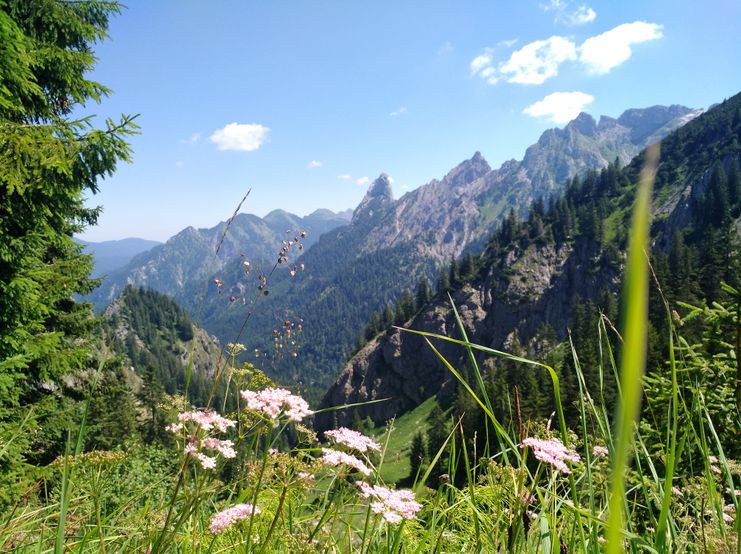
(467, 171)
(643, 122)
(381, 187)
(585, 124)
(379, 195)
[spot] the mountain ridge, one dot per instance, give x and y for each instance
(524, 287)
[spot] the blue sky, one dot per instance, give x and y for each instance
(307, 102)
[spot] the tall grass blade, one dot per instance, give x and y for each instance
(633, 359)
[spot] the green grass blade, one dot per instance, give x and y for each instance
(633, 360)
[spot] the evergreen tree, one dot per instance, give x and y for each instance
(424, 293)
(404, 308)
(150, 396)
(417, 454)
(49, 162)
(443, 282)
(437, 434)
(468, 267)
(454, 274)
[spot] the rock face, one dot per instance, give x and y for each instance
(401, 367)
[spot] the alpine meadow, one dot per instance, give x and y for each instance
(538, 352)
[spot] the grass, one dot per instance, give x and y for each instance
(666, 485)
(396, 465)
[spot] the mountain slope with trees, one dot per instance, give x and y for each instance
(560, 268)
(359, 269)
(187, 261)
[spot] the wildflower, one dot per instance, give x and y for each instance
(676, 491)
(527, 498)
(600, 452)
(552, 452)
(728, 510)
(174, 427)
(353, 439)
(732, 492)
(274, 402)
(207, 420)
(223, 447)
(713, 464)
(335, 458)
(234, 348)
(226, 518)
(306, 477)
(206, 461)
(392, 505)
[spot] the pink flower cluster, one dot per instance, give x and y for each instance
(353, 439)
(392, 505)
(226, 518)
(223, 447)
(205, 422)
(552, 452)
(600, 452)
(335, 457)
(275, 402)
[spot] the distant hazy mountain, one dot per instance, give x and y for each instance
(185, 263)
(113, 254)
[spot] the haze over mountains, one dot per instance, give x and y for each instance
(182, 265)
(356, 267)
(110, 255)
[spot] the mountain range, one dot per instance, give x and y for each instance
(110, 255)
(540, 275)
(354, 268)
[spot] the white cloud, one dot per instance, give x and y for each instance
(603, 52)
(344, 177)
(313, 164)
(479, 63)
(400, 111)
(538, 61)
(363, 181)
(192, 139)
(581, 16)
(560, 107)
(245, 137)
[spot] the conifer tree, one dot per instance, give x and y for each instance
(417, 454)
(49, 161)
(424, 293)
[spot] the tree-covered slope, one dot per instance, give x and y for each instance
(356, 270)
(562, 265)
(159, 341)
